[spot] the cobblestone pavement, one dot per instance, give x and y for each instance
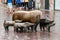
(11, 35)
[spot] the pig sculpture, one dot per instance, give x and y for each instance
(28, 16)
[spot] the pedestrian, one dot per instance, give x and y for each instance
(30, 4)
(18, 3)
(9, 10)
(9, 5)
(26, 4)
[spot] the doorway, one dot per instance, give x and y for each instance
(47, 4)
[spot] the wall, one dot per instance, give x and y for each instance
(51, 2)
(0, 1)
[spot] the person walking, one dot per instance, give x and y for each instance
(18, 3)
(9, 6)
(9, 10)
(26, 4)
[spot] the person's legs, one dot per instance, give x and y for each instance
(10, 8)
(26, 5)
(18, 5)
